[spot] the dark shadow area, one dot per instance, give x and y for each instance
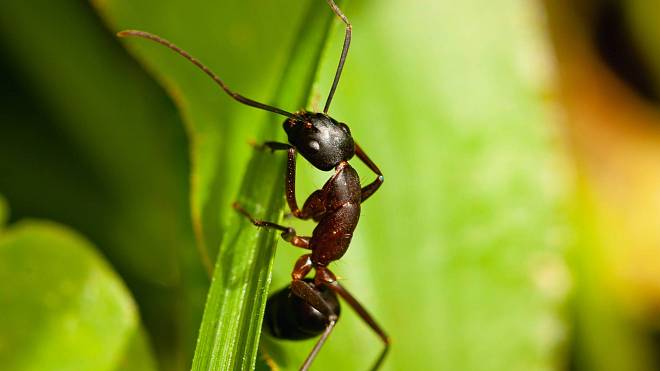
(654, 337)
(44, 181)
(616, 46)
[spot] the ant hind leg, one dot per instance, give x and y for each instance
(325, 277)
(304, 291)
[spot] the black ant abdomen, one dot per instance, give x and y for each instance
(292, 318)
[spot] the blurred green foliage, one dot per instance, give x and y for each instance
(91, 141)
(460, 255)
(63, 309)
(4, 213)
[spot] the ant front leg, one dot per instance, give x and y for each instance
(273, 146)
(314, 207)
(288, 234)
(372, 187)
(325, 277)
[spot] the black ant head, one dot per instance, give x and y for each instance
(320, 139)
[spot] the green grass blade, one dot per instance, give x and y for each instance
(229, 334)
(112, 159)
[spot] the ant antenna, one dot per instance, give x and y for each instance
(344, 52)
(196, 62)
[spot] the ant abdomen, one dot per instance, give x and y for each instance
(290, 317)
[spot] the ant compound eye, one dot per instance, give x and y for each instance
(314, 145)
(345, 128)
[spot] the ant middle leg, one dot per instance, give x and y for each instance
(288, 233)
(275, 146)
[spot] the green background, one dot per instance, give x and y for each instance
(470, 256)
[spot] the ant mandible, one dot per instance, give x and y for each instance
(309, 307)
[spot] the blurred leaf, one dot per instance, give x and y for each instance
(601, 322)
(90, 140)
(614, 142)
(643, 17)
(4, 212)
(62, 306)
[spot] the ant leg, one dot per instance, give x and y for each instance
(274, 146)
(304, 291)
(372, 187)
(291, 183)
(315, 203)
(288, 234)
(305, 213)
(319, 344)
(314, 206)
(325, 277)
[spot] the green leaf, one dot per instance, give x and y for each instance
(642, 17)
(602, 323)
(112, 159)
(63, 308)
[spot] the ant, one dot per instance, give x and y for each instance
(309, 307)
